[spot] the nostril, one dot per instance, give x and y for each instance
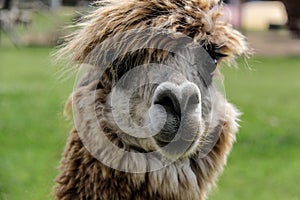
(169, 101)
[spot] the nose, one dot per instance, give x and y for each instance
(177, 98)
(182, 106)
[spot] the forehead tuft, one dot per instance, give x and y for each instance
(198, 19)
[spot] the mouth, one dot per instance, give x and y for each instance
(179, 136)
(178, 148)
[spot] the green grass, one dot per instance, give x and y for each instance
(264, 163)
(32, 130)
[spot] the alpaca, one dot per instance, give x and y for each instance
(169, 136)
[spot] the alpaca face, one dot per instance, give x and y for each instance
(149, 98)
(165, 106)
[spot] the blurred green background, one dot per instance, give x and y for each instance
(264, 163)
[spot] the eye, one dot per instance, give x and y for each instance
(212, 50)
(216, 56)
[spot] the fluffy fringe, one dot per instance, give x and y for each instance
(198, 19)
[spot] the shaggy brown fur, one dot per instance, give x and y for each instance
(81, 175)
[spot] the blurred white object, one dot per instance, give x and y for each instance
(259, 15)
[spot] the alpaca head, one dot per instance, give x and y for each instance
(148, 98)
(163, 104)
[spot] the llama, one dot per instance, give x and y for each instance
(169, 136)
